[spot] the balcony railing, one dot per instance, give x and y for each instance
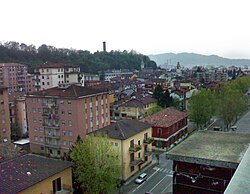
(148, 140)
(51, 125)
(52, 144)
(135, 148)
(136, 161)
(55, 135)
(50, 105)
(66, 189)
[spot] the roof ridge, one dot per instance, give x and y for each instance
(121, 130)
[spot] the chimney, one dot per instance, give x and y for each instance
(104, 46)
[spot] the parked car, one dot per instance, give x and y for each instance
(141, 178)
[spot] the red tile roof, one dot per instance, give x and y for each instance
(165, 118)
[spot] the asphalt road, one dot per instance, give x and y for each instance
(159, 179)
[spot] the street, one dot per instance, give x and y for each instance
(159, 178)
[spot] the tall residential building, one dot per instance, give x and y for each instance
(56, 117)
(15, 77)
(4, 115)
(49, 75)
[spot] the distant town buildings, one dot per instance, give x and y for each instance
(58, 115)
(49, 75)
(15, 76)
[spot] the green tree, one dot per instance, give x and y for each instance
(163, 98)
(201, 107)
(97, 164)
(16, 132)
(231, 104)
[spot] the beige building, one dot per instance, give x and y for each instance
(134, 140)
(4, 115)
(21, 117)
(49, 75)
(56, 117)
(33, 174)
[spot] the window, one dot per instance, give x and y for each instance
(35, 129)
(70, 123)
(116, 144)
(34, 100)
(34, 120)
(70, 144)
(35, 138)
(64, 133)
(43, 83)
(139, 142)
(62, 112)
(58, 76)
(63, 122)
(132, 168)
(69, 112)
(57, 185)
(47, 70)
(139, 155)
(34, 110)
(42, 148)
(39, 110)
(132, 143)
(42, 77)
(61, 101)
(145, 135)
(64, 143)
(47, 77)
(48, 83)
(41, 139)
(159, 131)
(69, 101)
(70, 133)
(41, 129)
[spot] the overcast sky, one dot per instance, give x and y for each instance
(220, 27)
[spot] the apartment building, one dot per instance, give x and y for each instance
(134, 140)
(56, 117)
(4, 115)
(49, 75)
(15, 77)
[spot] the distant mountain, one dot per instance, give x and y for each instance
(192, 59)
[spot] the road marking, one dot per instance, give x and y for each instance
(156, 168)
(158, 183)
(166, 188)
(144, 181)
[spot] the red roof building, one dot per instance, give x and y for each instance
(169, 126)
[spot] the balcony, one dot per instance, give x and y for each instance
(55, 135)
(50, 105)
(148, 140)
(135, 148)
(148, 153)
(51, 125)
(52, 144)
(66, 189)
(136, 161)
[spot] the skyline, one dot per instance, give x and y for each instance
(148, 27)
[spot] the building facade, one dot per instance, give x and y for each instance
(169, 127)
(50, 75)
(134, 140)
(57, 116)
(4, 116)
(15, 77)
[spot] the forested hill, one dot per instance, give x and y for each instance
(89, 62)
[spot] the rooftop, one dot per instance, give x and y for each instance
(72, 91)
(22, 172)
(212, 148)
(123, 129)
(165, 118)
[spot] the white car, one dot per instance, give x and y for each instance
(141, 178)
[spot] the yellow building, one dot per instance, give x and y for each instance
(134, 140)
(33, 174)
(137, 108)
